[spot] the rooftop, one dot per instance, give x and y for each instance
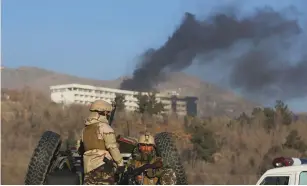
(167, 93)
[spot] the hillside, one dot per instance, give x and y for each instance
(212, 99)
(215, 151)
(41, 79)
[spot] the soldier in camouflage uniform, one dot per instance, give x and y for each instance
(146, 153)
(98, 142)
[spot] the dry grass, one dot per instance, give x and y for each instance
(243, 149)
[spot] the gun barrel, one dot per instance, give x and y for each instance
(134, 172)
(112, 114)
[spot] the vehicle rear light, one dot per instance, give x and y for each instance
(283, 162)
(303, 161)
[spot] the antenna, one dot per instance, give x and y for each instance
(144, 123)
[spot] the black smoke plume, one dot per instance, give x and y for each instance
(263, 68)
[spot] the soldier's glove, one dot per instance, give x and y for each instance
(108, 165)
(158, 163)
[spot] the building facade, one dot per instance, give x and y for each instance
(86, 94)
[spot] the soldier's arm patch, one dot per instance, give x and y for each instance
(110, 140)
(104, 129)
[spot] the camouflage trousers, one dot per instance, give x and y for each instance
(99, 176)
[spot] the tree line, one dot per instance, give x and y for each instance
(204, 139)
(147, 103)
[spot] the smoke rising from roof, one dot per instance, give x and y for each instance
(264, 67)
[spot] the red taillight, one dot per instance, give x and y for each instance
(281, 162)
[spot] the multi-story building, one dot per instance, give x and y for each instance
(86, 94)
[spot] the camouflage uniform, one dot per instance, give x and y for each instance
(145, 153)
(99, 144)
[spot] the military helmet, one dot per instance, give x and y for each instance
(101, 105)
(147, 139)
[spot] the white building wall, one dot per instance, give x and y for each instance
(63, 97)
(86, 94)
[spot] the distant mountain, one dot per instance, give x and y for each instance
(41, 79)
(212, 99)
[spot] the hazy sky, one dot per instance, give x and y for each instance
(98, 38)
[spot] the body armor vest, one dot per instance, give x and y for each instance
(90, 138)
